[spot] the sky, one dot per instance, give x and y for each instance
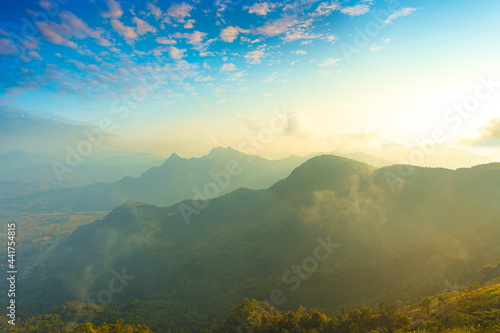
(392, 78)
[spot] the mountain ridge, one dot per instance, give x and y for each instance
(255, 236)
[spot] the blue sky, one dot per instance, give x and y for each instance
(191, 75)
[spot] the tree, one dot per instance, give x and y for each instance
(403, 323)
(426, 303)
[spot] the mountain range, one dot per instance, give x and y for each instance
(174, 180)
(23, 173)
(335, 231)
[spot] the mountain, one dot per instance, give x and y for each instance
(174, 180)
(121, 158)
(335, 231)
(472, 309)
(15, 160)
(432, 156)
(23, 173)
(365, 158)
(221, 171)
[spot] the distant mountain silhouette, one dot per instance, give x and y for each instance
(351, 237)
(174, 180)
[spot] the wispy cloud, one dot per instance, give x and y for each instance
(7, 47)
(277, 27)
(126, 32)
(329, 62)
(176, 53)
(401, 13)
(326, 8)
(155, 11)
(143, 27)
(491, 130)
(260, 8)
(229, 67)
(356, 10)
(51, 32)
(115, 10)
(179, 11)
(255, 57)
(229, 34)
(165, 40)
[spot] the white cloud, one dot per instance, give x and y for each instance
(260, 8)
(326, 9)
(204, 78)
(179, 11)
(195, 37)
(7, 48)
(143, 27)
(165, 40)
(24, 58)
(229, 67)
(236, 76)
(491, 130)
(156, 11)
(46, 4)
(266, 95)
(330, 38)
(300, 33)
(299, 52)
(229, 34)
(276, 27)
(92, 68)
(355, 10)
(34, 55)
(31, 45)
(176, 53)
(329, 62)
(79, 28)
(221, 5)
(254, 57)
(271, 78)
(51, 33)
(189, 24)
(115, 10)
(126, 32)
(374, 48)
(80, 65)
(297, 124)
(104, 42)
(403, 12)
(248, 40)
(302, 30)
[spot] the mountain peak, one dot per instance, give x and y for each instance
(218, 151)
(323, 172)
(174, 156)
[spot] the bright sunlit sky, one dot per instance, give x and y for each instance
(192, 75)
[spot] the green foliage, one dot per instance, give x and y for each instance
(477, 310)
(52, 323)
(396, 243)
(242, 243)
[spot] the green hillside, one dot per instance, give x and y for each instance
(437, 226)
(221, 171)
